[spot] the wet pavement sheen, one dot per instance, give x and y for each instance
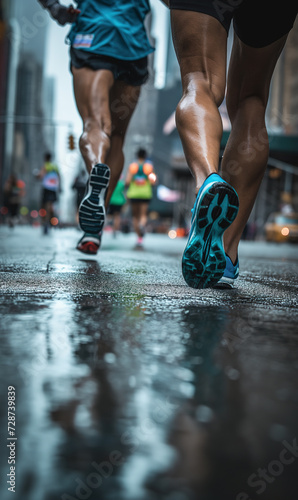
(132, 386)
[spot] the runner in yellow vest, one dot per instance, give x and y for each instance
(139, 181)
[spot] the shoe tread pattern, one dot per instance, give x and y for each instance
(204, 260)
(92, 210)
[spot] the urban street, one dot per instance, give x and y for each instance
(129, 385)
(140, 122)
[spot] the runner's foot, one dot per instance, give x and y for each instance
(215, 208)
(89, 243)
(139, 243)
(230, 274)
(92, 208)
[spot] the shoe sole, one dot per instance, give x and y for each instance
(204, 260)
(225, 284)
(92, 208)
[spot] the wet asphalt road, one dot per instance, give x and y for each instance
(132, 386)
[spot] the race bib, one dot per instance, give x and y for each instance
(51, 181)
(140, 181)
(82, 41)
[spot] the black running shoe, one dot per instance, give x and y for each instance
(92, 208)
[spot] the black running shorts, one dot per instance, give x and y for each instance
(131, 72)
(114, 209)
(48, 196)
(139, 200)
(257, 22)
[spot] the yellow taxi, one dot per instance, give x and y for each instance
(281, 228)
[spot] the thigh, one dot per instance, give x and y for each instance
(48, 196)
(92, 90)
(14, 209)
(135, 208)
(250, 72)
(200, 43)
(114, 209)
(144, 207)
(222, 10)
(123, 101)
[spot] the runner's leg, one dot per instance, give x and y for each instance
(49, 210)
(200, 44)
(106, 108)
(91, 90)
(117, 222)
(136, 215)
(245, 157)
(123, 101)
(143, 215)
(105, 120)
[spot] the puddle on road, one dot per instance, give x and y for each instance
(126, 396)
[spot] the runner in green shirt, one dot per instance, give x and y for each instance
(117, 202)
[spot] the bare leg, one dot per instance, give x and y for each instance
(123, 101)
(92, 89)
(49, 212)
(136, 216)
(200, 44)
(106, 107)
(117, 222)
(246, 154)
(143, 215)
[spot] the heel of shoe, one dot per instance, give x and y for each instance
(100, 176)
(92, 209)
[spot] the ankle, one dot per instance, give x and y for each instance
(201, 180)
(233, 255)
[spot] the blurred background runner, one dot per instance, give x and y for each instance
(14, 190)
(139, 181)
(50, 181)
(117, 202)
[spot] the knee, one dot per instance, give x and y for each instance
(85, 143)
(200, 94)
(94, 131)
(117, 139)
(250, 108)
(98, 125)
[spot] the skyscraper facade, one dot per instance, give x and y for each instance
(22, 129)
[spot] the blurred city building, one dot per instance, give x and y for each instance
(27, 96)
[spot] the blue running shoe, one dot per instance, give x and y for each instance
(230, 274)
(204, 259)
(92, 208)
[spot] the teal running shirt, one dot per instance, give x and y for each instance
(112, 28)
